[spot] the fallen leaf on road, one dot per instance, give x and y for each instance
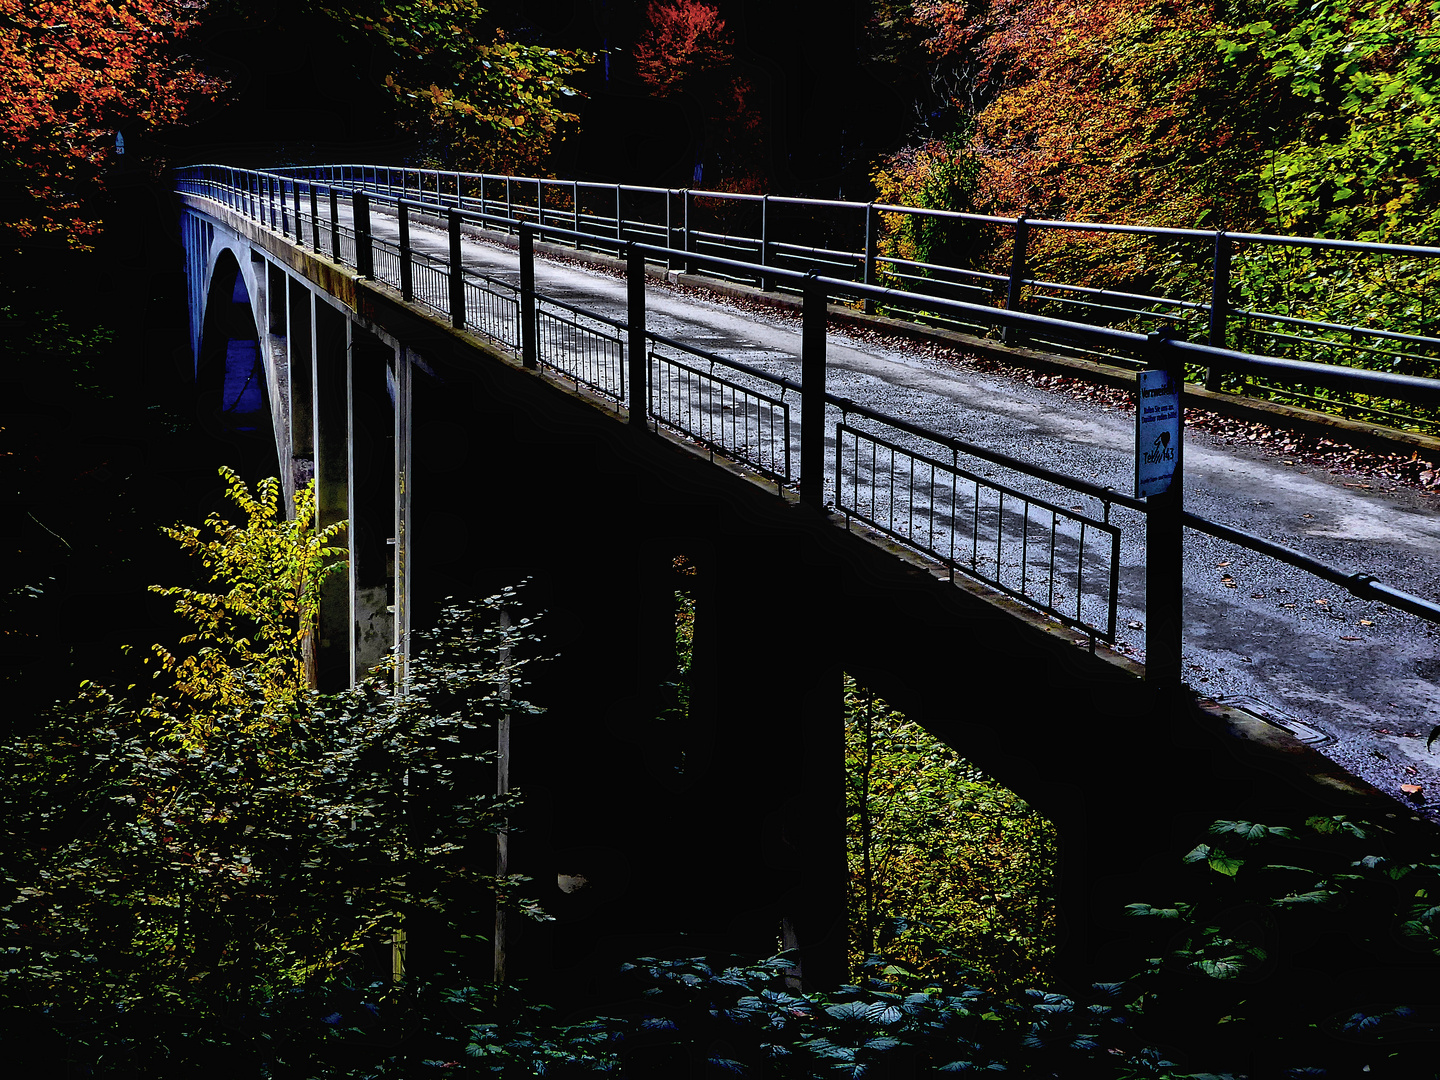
(1412, 770)
(1366, 622)
(1136, 626)
(1229, 584)
(1322, 603)
(1413, 792)
(1225, 563)
(1257, 596)
(1343, 638)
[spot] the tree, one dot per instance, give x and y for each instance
(442, 72)
(684, 39)
(79, 75)
(253, 638)
(1358, 88)
(687, 50)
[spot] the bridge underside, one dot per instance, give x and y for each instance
(461, 472)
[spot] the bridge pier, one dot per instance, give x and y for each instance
(299, 466)
(335, 664)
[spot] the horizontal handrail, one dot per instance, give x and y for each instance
(1414, 388)
(1365, 586)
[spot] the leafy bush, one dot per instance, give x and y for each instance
(189, 877)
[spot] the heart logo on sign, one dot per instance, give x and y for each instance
(1164, 439)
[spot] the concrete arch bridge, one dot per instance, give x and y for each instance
(475, 431)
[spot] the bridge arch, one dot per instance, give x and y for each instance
(231, 373)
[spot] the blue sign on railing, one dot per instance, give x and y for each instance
(1157, 432)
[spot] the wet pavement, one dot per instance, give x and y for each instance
(1359, 678)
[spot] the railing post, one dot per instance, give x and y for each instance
(529, 327)
(812, 393)
(539, 208)
(635, 346)
(670, 226)
(872, 240)
(334, 224)
(1219, 304)
(457, 271)
(483, 208)
(407, 274)
(314, 216)
(1164, 549)
(619, 217)
(1012, 335)
(767, 284)
(270, 199)
(364, 256)
(685, 246)
(299, 228)
(509, 206)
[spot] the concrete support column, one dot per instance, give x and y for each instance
(401, 373)
(277, 365)
(779, 752)
(372, 497)
(301, 385)
(330, 378)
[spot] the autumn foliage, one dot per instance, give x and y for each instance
(76, 72)
(686, 49)
(683, 38)
(457, 83)
(1322, 118)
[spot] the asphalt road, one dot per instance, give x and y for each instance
(1361, 676)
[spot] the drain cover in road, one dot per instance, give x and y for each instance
(1307, 734)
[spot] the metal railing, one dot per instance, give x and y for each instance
(581, 345)
(1020, 543)
(734, 417)
(1255, 292)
